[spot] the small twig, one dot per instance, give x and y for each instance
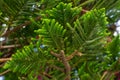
(55, 54)
(47, 75)
(84, 11)
(4, 72)
(10, 46)
(106, 75)
(58, 68)
(1, 65)
(5, 59)
(74, 54)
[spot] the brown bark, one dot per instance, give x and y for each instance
(10, 46)
(66, 64)
(5, 59)
(64, 60)
(74, 54)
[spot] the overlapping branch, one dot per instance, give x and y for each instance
(65, 60)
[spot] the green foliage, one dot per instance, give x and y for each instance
(10, 76)
(17, 13)
(19, 8)
(1, 54)
(63, 26)
(113, 47)
(52, 33)
(83, 32)
(55, 37)
(112, 53)
(95, 19)
(66, 13)
(29, 62)
(89, 71)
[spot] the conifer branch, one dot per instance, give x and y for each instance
(25, 24)
(65, 60)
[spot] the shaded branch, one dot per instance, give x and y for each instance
(47, 75)
(1, 65)
(1, 74)
(25, 24)
(58, 68)
(20, 26)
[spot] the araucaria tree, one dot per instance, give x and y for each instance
(59, 39)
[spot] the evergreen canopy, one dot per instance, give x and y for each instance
(59, 39)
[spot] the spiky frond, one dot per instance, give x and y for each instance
(17, 8)
(52, 33)
(113, 52)
(111, 6)
(25, 60)
(64, 13)
(84, 34)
